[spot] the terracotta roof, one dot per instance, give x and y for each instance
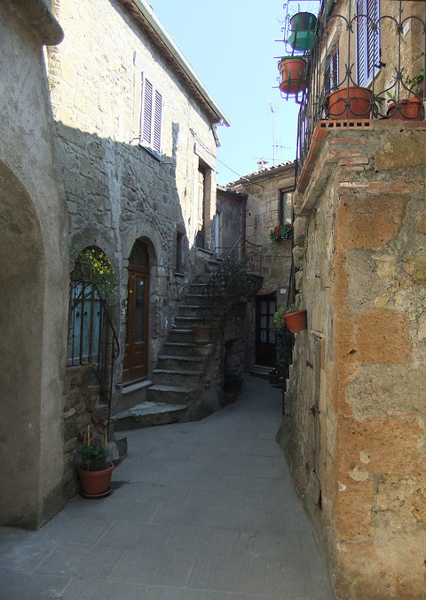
(255, 174)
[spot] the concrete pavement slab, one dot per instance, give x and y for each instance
(199, 511)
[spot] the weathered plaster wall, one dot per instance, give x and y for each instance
(33, 274)
(356, 404)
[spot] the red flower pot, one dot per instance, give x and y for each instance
(296, 321)
(292, 70)
(359, 103)
(95, 484)
(411, 110)
(202, 332)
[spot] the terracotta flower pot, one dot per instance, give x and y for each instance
(230, 397)
(95, 484)
(296, 321)
(274, 378)
(292, 72)
(411, 110)
(202, 332)
(359, 103)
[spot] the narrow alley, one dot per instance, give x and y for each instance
(199, 511)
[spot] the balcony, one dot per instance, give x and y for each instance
(367, 63)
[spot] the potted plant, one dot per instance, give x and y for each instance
(294, 319)
(94, 471)
(274, 376)
(292, 74)
(232, 386)
(352, 102)
(303, 36)
(280, 233)
(411, 108)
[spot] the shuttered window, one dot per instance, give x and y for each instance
(151, 115)
(331, 77)
(368, 39)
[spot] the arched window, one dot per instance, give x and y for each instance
(92, 281)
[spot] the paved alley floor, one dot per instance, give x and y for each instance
(199, 511)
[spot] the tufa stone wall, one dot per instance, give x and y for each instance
(354, 423)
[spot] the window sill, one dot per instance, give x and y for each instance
(151, 151)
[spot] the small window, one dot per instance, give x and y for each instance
(284, 208)
(151, 115)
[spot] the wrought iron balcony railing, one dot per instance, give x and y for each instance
(368, 63)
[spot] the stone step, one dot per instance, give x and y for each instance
(147, 414)
(192, 310)
(179, 334)
(187, 349)
(180, 363)
(169, 394)
(176, 377)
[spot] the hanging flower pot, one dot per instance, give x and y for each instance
(296, 321)
(303, 21)
(359, 100)
(292, 75)
(411, 110)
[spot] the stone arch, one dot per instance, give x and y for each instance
(22, 276)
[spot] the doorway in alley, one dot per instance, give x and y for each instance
(265, 352)
(135, 365)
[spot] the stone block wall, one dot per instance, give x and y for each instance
(355, 404)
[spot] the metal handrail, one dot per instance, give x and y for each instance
(244, 249)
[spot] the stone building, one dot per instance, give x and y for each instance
(33, 272)
(355, 406)
(136, 131)
(265, 201)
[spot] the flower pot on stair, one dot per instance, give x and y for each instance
(202, 332)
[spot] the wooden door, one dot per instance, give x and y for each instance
(135, 365)
(266, 307)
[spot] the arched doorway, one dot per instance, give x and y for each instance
(135, 365)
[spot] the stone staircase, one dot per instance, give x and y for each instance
(181, 388)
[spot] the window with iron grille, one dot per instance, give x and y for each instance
(367, 39)
(151, 115)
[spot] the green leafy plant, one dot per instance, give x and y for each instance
(279, 320)
(228, 283)
(93, 457)
(93, 266)
(280, 233)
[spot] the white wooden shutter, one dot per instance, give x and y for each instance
(158, 109)
(147, 111)
(368, 39)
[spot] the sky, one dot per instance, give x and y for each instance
(231, 46)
